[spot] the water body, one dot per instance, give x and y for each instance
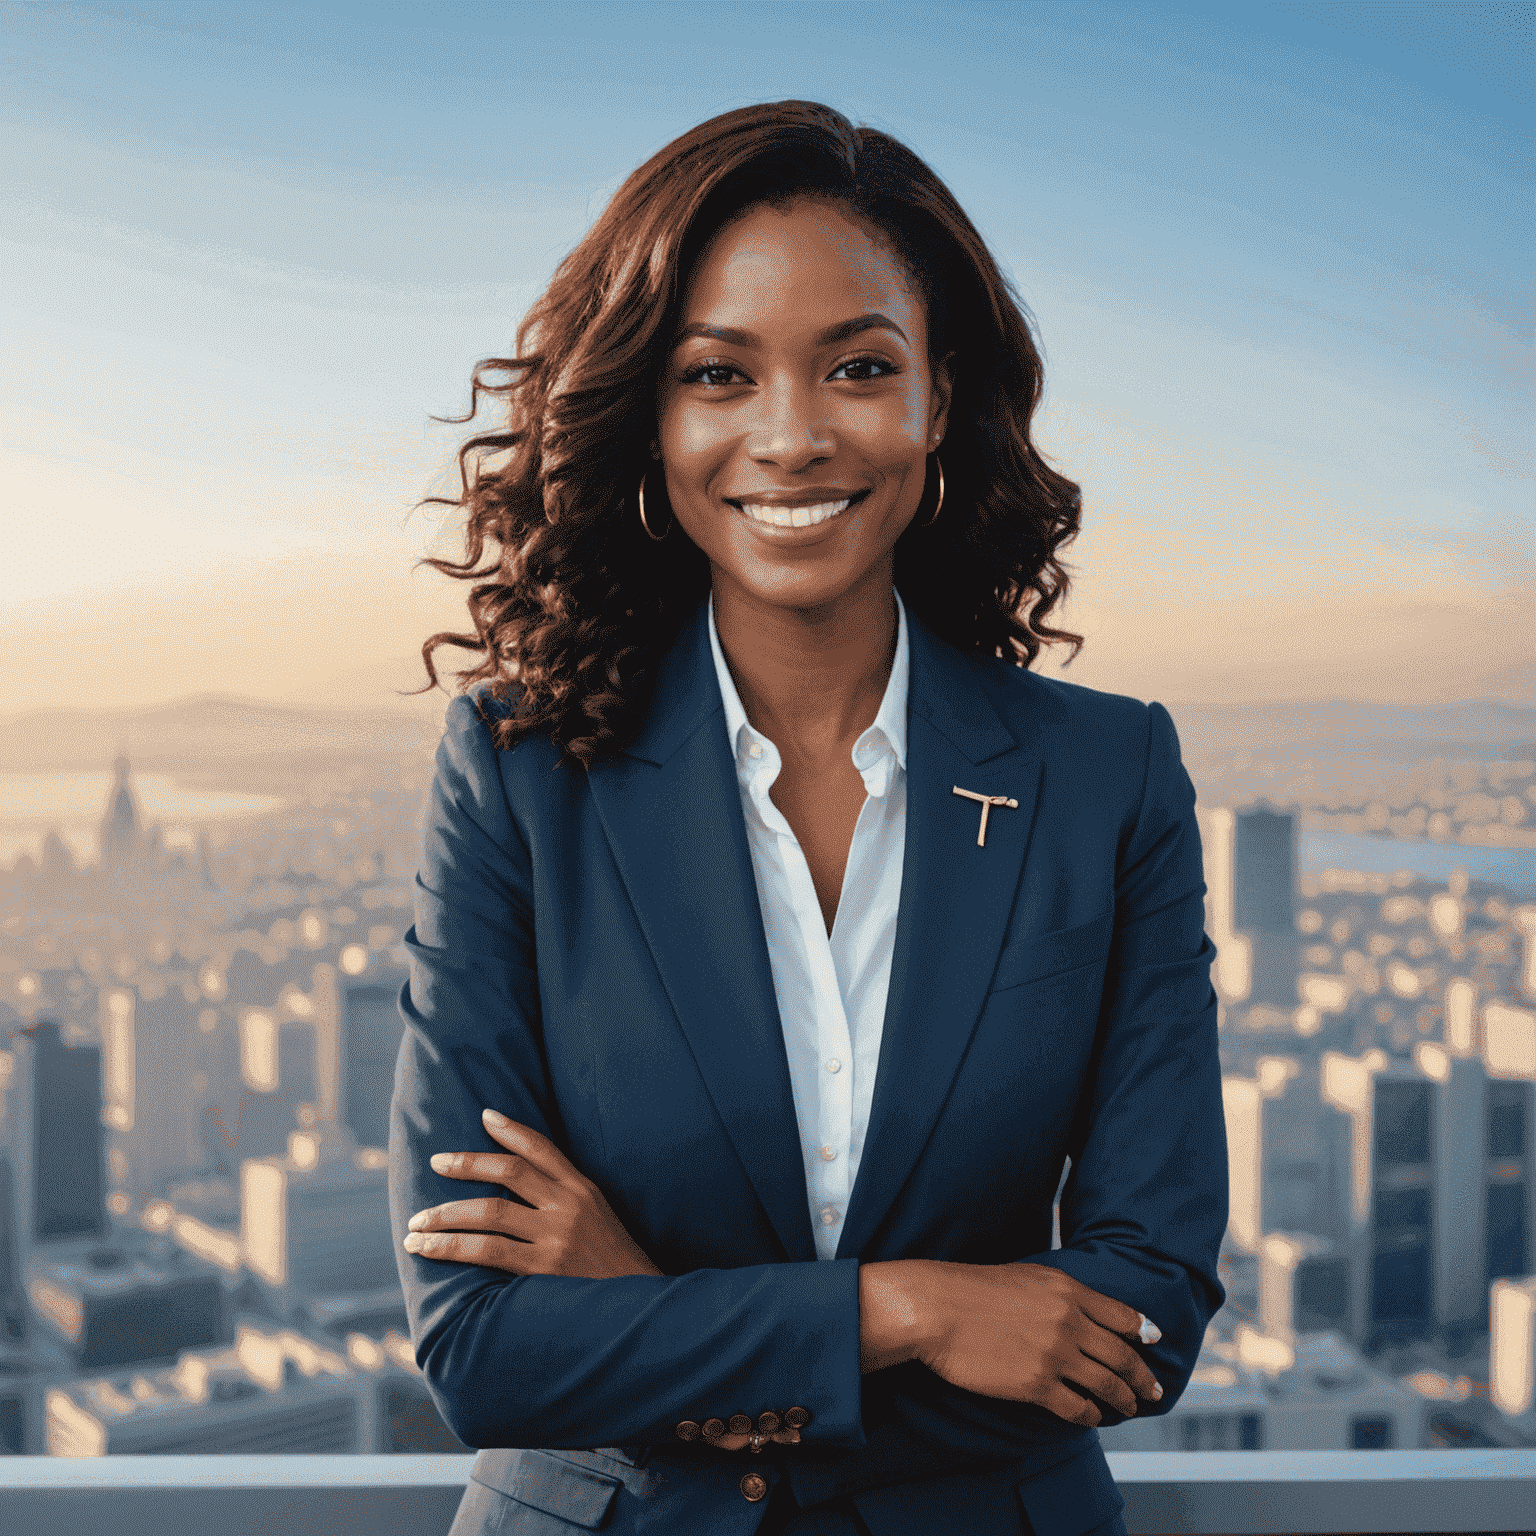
(1513, 868)
(32, 803)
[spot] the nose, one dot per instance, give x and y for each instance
(791, 428)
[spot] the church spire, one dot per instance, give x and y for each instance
(121, 828)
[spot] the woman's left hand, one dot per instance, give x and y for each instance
(567, 1227)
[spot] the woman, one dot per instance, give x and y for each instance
(779, 935)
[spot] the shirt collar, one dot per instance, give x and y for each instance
(890, 718)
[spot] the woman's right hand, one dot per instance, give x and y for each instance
(1025, 1332)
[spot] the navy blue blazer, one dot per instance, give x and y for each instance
(588, 957)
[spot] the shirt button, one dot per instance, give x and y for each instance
(755, 750)
(834, 1065)
(828, 1215)
(753, 1486)
(828, 1153)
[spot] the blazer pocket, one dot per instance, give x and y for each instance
(546, 1481)
(1072, 1497)
(1035, 956)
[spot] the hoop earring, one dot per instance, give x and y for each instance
(658, 537)
(934, 514)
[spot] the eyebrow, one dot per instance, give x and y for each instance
(873, 321)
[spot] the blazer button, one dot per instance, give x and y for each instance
(753, 1486)
(740, 1424)
(713, 1429)
(687, 1430)
(768, 1422)
(797, 1418)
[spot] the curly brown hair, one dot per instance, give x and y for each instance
(578, 607)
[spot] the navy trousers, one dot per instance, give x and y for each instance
(839, 1518)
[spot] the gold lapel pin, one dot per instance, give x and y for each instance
(986, 802)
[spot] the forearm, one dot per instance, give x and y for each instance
(896, 1311)
(556, 1361)
(915, 1424)
(907, 1310)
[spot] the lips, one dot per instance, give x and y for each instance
(805, 515)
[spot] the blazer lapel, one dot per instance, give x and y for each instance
(671, 809)
(955, 903)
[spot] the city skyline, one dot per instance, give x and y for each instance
(202, 1272)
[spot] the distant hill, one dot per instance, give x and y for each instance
(1307, 750)
(1315, 749)
(211, 732)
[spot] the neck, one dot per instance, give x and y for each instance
(810, 679)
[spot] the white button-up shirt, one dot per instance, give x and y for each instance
(831, 990)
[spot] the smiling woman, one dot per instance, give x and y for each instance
(777, 1052)
(635, 331)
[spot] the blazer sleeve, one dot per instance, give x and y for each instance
(548, 1360)
(1144, 1206)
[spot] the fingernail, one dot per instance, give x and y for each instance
(441, 1160)
(418, 1221)
(1157, 1389)
(1150, 1332)
(491, 1117)
(412, 1244)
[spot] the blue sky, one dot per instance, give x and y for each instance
(1278, 254)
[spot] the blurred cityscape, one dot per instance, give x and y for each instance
(198, 1031)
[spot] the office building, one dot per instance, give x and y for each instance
(125, 1302)
(1255, 1392)
(201, 1216)
(1512, 1349)
(27, 1371)
(316, 1222)
(13, 1312)
(1391, 1107)
(1507, 1038)
(1510, 1194)
(1250, 859)
(398, 1412)
(1288, 1156)
(57, 1143)
(102, 1298)
(371, 1029)
(1460, 1104)
(1303, 1286)
(273, 1393)
(153, 1066)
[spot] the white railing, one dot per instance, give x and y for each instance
(1217, 1493)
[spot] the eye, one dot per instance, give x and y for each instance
(697, 374)
(867, 362)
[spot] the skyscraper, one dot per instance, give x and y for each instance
(371, 1028)
(60, 1158)
(1250, 860)
(1264, 901)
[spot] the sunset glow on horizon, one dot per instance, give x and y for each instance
(1278, 257)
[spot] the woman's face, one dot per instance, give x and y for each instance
(798, 387)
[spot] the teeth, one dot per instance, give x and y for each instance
(795, 517)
